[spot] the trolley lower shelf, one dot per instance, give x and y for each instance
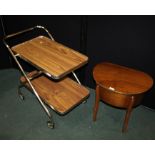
(61, 95)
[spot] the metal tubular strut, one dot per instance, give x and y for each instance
(76, 78)
(50, 123)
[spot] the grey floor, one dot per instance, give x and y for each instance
(27, 120)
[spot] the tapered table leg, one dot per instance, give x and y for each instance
(96, 106)
(128, 114)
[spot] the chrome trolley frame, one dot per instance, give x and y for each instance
(50, 123)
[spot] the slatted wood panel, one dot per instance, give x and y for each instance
(50, 56)
(61, 95)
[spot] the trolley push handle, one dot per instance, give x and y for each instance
(27, 30)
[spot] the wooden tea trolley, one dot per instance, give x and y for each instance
(49, 82)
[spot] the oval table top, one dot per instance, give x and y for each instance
(121, 79)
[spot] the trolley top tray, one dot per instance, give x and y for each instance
(53, 58)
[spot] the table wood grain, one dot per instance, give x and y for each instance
(121, 79)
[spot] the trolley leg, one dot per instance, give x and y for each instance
(50, 123)
(78, 81)
(20, 93)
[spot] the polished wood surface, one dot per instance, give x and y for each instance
(121, 79)
(50, 56)
(62, 95)
(120, 86)
(117, 99)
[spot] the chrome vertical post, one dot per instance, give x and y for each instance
(76, 78)
(50, 123)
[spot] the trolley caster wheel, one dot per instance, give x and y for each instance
(21, 97)
(84, 101)
(50, 125)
